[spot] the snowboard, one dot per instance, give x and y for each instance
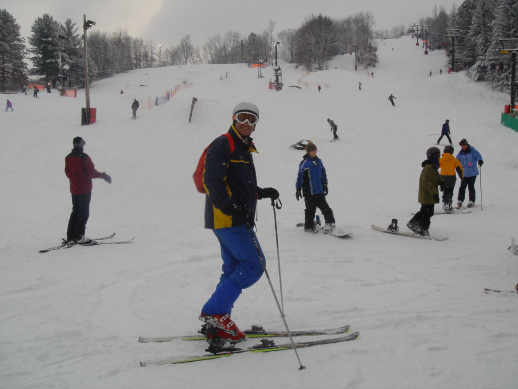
(339, 232)
(334, 140)
(489, 291)
(411, 234)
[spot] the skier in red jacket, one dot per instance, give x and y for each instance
(80, 170)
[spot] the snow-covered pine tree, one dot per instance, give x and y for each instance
(479, 38)
(44, 42)
(72, 54)
(13, 70)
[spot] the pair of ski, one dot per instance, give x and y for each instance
(93, 242)
(266, 345)
(489, 291)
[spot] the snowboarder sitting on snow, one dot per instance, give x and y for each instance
(469, 157)
(9, 105)
(445, 131)
(80, 170)
(232, 194)
(334, 127)
(391, 98)
(428, 194)
(122, 92)
(134, 108)
(312, 184)
(449, 164)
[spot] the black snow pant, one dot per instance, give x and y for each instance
(135, 113)
(79, 216)
(312, 202)
(470, 183)
(393, 104)
(447, 136)
(449, 186)
(334, 133)
(422, 218)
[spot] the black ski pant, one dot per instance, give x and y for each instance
(422, 218)
(449, 186)
(470, 183)
(312, 203)
(135, 113)
(334, 133)
(79, 216)
(447, 136)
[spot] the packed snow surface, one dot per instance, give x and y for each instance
(72, 318)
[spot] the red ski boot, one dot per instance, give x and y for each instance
(225, 328)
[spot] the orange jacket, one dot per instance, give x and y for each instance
(449, 165)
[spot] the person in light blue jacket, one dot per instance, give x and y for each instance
(469, 157)
(312, 184)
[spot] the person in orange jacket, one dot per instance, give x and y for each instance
(449, 165)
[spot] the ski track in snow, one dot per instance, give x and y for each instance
(71, 318)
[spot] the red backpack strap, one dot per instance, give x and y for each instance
(230, 142)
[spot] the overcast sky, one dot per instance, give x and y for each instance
(166, 22)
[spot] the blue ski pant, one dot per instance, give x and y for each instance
(241, 268)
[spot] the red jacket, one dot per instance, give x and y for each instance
(80, 170)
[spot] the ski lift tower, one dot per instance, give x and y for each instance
(417, 33)
(452, 33)
(510, 46)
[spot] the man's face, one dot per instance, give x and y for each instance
(313, 154)
(244, 129)
(464, 147)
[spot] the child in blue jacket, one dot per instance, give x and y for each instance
(312, 184)
(469, 157)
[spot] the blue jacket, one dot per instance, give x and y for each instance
(312, 176)
(445, 129)
(469, 159)
(229, 179)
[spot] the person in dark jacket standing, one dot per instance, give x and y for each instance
(36, 90)
(312, 184)
(391, 98)
(445, 132)
(469, 157)
(134, 107)
(428, 195)
(334, 127)
(80, 170)
(230, 184)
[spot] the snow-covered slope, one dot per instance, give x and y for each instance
(71, 318)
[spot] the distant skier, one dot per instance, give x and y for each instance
(449, 165)
(122, 92)
(430, 74)
(440, 71)
(312, 185)
(334, 127)
(391, 98)
(469, 157)
(24, 90)
(372, 74)
(8, 105)
(319, 88)
(134, 108)
(428, 194)
(80, 170)
(359, 85)
(48, 87)
(36, 90)
(445, 131)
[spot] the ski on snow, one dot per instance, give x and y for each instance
(463, 211)
(254, 332)
(489, 291)
(265, 346)
(95, 242)
(411, 234)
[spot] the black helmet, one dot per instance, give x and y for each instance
(449, 149)
(432, 150)
(464, 142)
(78, 141)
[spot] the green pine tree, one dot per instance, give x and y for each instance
(45, 47)
(13, 70)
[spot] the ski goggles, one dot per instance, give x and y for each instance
(242, 117)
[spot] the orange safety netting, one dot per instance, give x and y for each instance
(150, 102)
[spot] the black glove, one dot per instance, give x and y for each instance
(107, 178)
(436, 198)
(270, 193)
(441, 186)
(480, 163)
(240, 215)
(298, 195)
(326, 191)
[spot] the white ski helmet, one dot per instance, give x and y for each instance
(246, 107)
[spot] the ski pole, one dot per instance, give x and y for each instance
(274, 295)
(277, 241)
(481, 188)
(434, 134)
